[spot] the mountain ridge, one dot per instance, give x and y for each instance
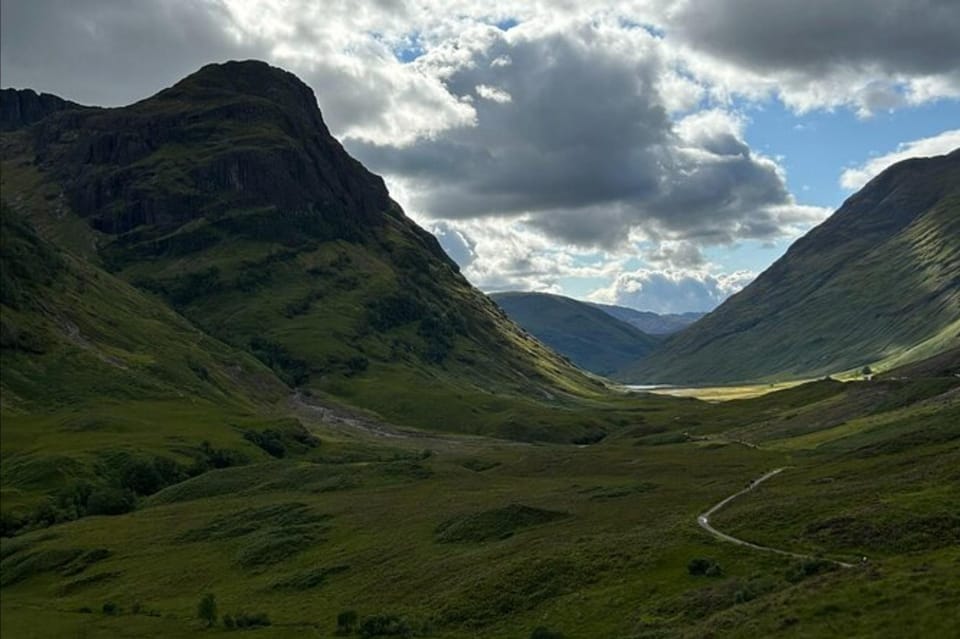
(875, 279)
(592, 338)
(650, 322)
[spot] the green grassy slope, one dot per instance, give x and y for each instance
(226, 196)
(590, 337)
(489, 539)
(871, 283)
(97, 373)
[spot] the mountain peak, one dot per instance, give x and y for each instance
(236, 136)
(250, 78)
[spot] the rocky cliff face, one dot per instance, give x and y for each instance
(236, 136)
(20, 108)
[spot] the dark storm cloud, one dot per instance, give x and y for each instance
(579, 140)
(914, 37)
(109, 53)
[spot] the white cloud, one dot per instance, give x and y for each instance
(941, 144)
(552, 149)
(493, 93)
(672, 290)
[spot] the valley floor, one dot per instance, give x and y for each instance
(456, 537)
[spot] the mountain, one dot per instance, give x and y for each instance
(591, 338)
(99, 376)
(226, 198)
(649, 322)
(20, 108)
(876, 283)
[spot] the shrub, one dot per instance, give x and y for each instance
(292, 370)
(142, 477)
(394, 310)
(110, 608)
(228, 622)
(269, 440)
(704, 566)
(207, 609)
(346, 622)
(544, 633)
(251, 620)
(210, 457)
(384, 626)
(110, 501)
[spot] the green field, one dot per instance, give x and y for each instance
(453, 536)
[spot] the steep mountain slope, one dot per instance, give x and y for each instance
(649, 322)
(879, 279)
(97, 373)
(591, 338)
(226, 196)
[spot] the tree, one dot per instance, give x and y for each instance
(207, 609)
(866, 371)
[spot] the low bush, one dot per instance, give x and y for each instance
(704, 566)
(346, 622)
(384, 626)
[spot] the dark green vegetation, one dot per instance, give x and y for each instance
(547, 539)
(878, 282)
(590, 337)
(218, 335)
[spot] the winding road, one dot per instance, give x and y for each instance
(704, 521)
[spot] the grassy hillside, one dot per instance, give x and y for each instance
(226, 197)
(99, 377)
(479, 538)
(869, 285)
(591, 338)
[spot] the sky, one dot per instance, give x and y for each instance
(650, 153)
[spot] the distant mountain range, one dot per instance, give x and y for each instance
(878, 283)
(650, 322)
(590, 335)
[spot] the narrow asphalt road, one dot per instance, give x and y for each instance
(704, 521)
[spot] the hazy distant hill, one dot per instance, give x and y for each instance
(878, 280)
(650, 322)
(590, 337)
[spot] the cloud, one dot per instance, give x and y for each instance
(109, 53)
(856, 177)
(822, 53)
(106, 53)
(541, 142)
(672, 291)
(585, 150)
(501, 255)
